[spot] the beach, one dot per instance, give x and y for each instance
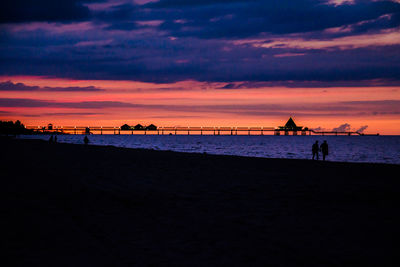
(77, 205)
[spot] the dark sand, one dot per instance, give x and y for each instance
(71, 205)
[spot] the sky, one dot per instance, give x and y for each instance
(330, 64)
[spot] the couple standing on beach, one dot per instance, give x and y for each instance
(53, 139)
(316, 148)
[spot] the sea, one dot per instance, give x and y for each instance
(374, 149)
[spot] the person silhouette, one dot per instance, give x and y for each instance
(315, 149)
(55, 139)
(324, 149)
(51, 139)
(86, 140)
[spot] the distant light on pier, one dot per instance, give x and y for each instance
(290, 128)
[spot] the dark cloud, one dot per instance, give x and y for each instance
(44, 10)
(33, 103)
(23, 102)
(169, 41)
(376, 102)
(159, 60)
(97, 104)
(387, 21)
(185, 3)
(63, 114)
(310, 84)
(372, 107)
(10, 86)
(120, 17)
(238, 19)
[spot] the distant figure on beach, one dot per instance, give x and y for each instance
(55, 139)
(86, 140)
(324, 149)
(51, 139)
(315, 149)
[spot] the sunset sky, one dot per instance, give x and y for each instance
(331, 64)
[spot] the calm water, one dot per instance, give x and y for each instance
(383, 149)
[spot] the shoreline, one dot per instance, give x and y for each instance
(77, 205)
(234, 156)
(229, 155)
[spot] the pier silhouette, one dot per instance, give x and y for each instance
(290, 128)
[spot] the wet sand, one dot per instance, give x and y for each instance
(76, 205)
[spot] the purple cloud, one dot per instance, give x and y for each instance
(26, 102)
(10, 86)
(61, 114)
(44, 10)
(315, 110)
(168, 41)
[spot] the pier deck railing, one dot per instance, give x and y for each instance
(186, 130)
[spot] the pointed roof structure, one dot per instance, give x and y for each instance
(291, 125)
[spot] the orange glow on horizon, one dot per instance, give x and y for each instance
(192, 103)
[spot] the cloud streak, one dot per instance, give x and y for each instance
(10, 86)
(345, 109)
(36, 103)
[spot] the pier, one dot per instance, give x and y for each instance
(187, 131)
(290, 128)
